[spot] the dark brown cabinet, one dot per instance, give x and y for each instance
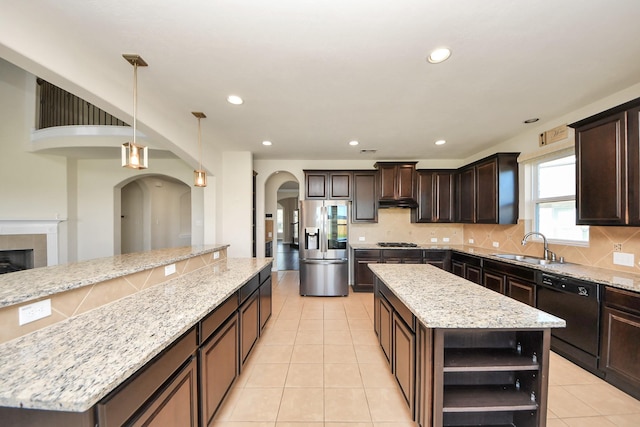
(249, 325)
(365, 202)
(397, 181)
(385, 327)
(265, 294)
(620, 340)
(435, 196)
(328, 184)
(401, 256)
(362, 275)
(521, 290)
(487, 190)
(608, 167)
(439, 258)
(494, 281)
(467, 266)
(512, 280)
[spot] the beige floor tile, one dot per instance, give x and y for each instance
(335, 313)
(307, 353)
(242, 424)
(346, 405)
(305, 375)
(276, 337)
(286, 324)
(342, 375)
(257, 404)
(304, 406)
(338, 424)
(588, 422)
(387, 406)
(311, 325)
(405, 424)
(339, 354)
(341, 337)
(370, 354)
(563, 372)
(555, 422)
(309, 337)
(628, 420)
(274, 354)
(374, 376)
(565, 404)
(303, 424)
(336, 324)
(361, 323)
(606, 399)
(364, 337)
(312, 314)
(229, 403)
(268, 375)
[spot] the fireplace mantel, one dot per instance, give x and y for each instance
(49, 227)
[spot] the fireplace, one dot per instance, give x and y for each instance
(15, 260)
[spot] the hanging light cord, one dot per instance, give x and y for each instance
(135, 98)
(199, 146)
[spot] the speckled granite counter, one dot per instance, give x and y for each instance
(73, 364)
(617, 279)
(40, 282)
(442, 300)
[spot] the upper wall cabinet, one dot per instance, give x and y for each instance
(608, 167)
(487, 190)
(365, 191)
(328, 184)
(397, 183)
(435, 196)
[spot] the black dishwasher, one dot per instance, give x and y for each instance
(578, 303)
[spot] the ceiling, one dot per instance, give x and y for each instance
(315, 75)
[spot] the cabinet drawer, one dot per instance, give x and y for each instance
(249, 288)
(367, 253)
(216, 318)
(265, 273)
(625, 300)
(403, 312)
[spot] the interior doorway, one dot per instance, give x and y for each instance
(281, 211)
(155, 213)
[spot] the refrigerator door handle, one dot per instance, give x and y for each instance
(323, 235)
(324, 261)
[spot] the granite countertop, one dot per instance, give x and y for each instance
(73, 364)
(36, 283)
(442, 300)
(616, 279)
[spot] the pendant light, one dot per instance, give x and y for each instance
(135, 156)
(199, 175)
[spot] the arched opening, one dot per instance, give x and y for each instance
(282, 192)
(155, 213)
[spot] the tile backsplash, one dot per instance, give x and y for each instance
(394, 225)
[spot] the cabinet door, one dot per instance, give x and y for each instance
(473, 274)
(444, 197)
(466, 195)
(601, 196)
(406, 181)
(362, 275)
(177, 405)
(219, 367)
(487, 192)
(403, 361)
(521, 290)
(249, 325)
(265, 302)
(316, 185)
(340, 185)
(494, 281)
(621, 344)
(384, 328)
(388, 182)
(633, 166)
(425, 189)
(457, 268)
(365, 207)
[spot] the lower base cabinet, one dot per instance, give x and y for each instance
(249, 325)
(219, 368)
(403, 359)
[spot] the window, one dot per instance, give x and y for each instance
(554, 198)
(280, 220)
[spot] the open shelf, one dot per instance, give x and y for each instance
(486, 399)
(487, 359)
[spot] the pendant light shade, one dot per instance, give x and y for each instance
(199, 175)
(134, 155)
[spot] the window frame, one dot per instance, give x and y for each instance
(535, 200)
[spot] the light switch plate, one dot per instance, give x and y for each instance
(169, 269)
(445, 239)
(623, 258)
(471, 241)
(434, 240)
(361, 239)
(496, 244)
(32, 312)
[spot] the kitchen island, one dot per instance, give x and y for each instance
(462, 354)
(129, 360)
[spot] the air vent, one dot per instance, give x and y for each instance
(368, 151)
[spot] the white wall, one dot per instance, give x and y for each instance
(237, 202)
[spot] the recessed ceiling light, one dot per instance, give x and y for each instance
(533, 120)
(439, 55)
(234, 99)
(353, 143)
(267, 143)
(440, 142)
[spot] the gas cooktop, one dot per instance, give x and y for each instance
(397, 245)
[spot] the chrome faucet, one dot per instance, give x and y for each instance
(548, 255)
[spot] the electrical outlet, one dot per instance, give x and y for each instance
(471, 241)
(617, 247)
(621, 258)
(216, 255)
(496, 244)
(32, 312)
(434, 240)
(361, 239)
(169, 269)
(445, 239)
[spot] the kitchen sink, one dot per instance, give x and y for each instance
(524, 258)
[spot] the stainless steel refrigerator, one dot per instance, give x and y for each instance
(324, 248)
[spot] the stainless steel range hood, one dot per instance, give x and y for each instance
(400, 203)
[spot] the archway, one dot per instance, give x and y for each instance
(155, 213)
(281, 205)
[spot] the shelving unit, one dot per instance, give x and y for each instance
(490, 378)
